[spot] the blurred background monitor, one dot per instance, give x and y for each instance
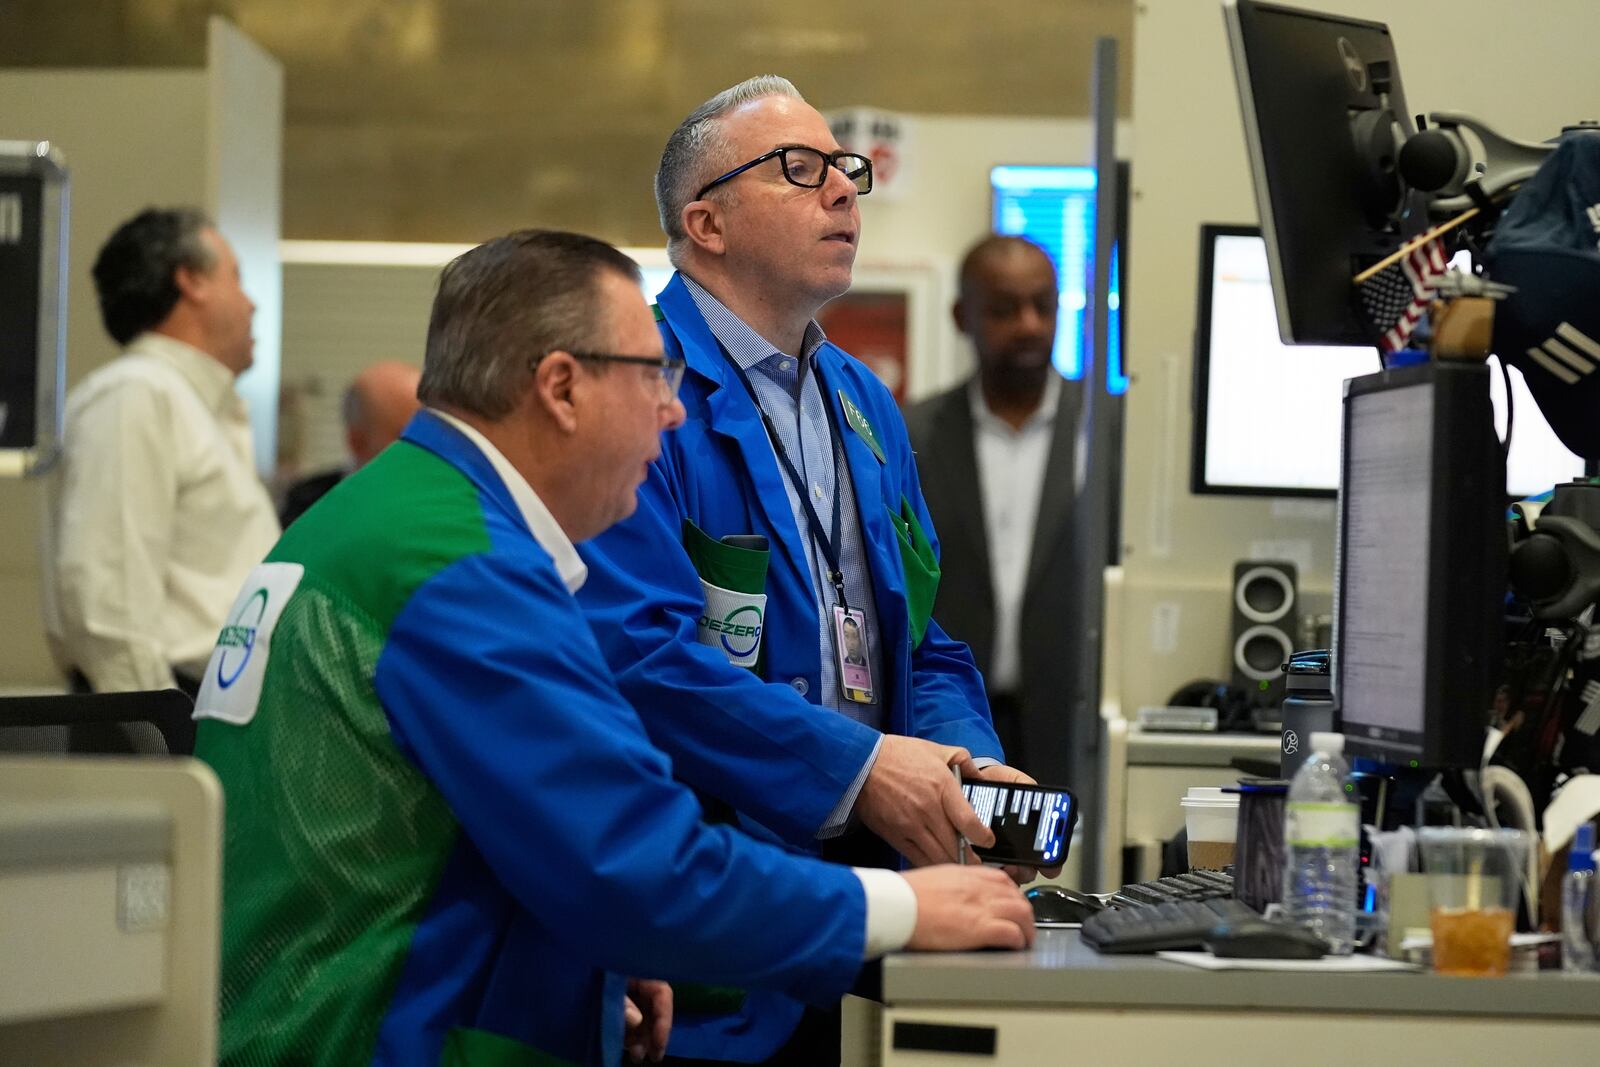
(1306, 92)
(1267, 415)
(1054, 206)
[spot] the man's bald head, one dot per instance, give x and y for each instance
(999, 249)
(377, 406)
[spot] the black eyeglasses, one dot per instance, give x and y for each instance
(807, 168)
(671, 369)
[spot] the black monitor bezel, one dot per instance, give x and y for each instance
(1301, 321)
(1464, 619)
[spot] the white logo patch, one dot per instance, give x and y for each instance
(732, 622)
(231, 689)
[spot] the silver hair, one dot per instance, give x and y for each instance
(353, 407)
(697, 147)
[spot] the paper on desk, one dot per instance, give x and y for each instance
(1327, 964)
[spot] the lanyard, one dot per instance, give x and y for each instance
(828, 538)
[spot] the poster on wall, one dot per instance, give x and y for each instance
(881, 136)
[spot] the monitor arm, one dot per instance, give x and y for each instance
(1556, 565)
(1459, 150)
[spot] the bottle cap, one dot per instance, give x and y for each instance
(1330, 743)
(1581, 858)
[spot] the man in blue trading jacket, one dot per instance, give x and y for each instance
(780, 521)
(448, 838)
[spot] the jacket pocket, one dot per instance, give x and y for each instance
(921, 568)
(733, 581)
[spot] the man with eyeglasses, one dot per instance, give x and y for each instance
(448, 838)
(767, 609)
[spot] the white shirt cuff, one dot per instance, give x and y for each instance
(981, 762)
(839, 817)
(891, 910)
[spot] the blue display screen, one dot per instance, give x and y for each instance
(1054, 206)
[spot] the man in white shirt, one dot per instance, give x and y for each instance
(160, 513)
(996, 455)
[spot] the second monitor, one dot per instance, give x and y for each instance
(1267, 415)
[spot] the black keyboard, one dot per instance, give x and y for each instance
(1171, 924)
(1193, 885)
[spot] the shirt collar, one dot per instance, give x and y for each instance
(540, 522)
(1043, 415)
(208, 377)
(741, 341)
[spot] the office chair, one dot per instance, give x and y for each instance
(154, 723)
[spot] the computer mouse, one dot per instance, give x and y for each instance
(1058, 904)
(1259, 939)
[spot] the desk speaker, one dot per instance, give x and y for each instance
(1263, 626)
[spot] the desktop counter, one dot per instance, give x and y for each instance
(1064, 1002)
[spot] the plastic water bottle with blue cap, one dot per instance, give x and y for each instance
(1321, 839)
(1579, 903)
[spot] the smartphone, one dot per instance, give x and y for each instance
(1032, 824)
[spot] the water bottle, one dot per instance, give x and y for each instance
(1321, 839)
(1577, 904)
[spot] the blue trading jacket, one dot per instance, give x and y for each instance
(761, 743)
(448, 837)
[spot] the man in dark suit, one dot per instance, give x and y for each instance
(996, 456)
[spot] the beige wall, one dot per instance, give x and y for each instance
(244, 190)
(1525, 73)
(131, 139)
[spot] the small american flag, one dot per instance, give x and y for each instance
(1396, 298)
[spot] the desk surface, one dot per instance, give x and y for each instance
(1061, 971)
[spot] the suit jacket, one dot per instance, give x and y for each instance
(307, 491)
(1052, 749)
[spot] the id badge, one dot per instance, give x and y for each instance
(850, 649)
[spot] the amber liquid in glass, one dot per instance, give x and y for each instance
(1474, 942)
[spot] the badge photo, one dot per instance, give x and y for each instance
(850, 646)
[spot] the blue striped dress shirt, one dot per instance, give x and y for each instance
(788, 389)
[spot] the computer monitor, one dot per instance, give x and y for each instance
(1054, 206)
(1421, 568)
(1267, 415)
(34, 192)
(1322, 148)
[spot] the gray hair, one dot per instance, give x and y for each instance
(353, 407)
(697, 147)
(504, 305)
(135, 273)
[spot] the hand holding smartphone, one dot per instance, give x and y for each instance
(1032, 824)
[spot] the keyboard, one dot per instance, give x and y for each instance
(1192, 885)
(1172, 924)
